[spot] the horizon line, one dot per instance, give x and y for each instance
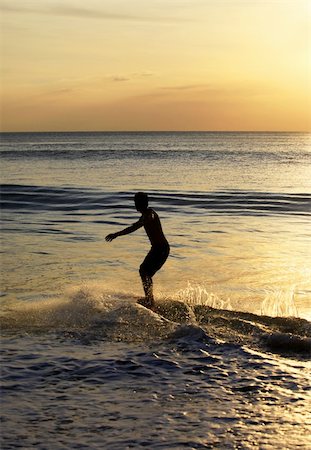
(155, 131)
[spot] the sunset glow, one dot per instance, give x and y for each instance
(156, 65)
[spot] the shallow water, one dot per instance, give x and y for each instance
(85, 366)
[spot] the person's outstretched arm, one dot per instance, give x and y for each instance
(128, 230)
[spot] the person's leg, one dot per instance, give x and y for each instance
(148, 288)
(151, 264)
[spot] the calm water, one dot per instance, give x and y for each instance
(83, 365)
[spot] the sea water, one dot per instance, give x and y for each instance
(224, 362)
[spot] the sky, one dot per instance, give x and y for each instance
(112, 65)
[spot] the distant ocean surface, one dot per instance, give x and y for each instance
(84, 366)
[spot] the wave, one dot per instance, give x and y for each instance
(27, 198)
(90, 314)
(231, 147)
(280, 334)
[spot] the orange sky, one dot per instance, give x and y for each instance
(155, 65)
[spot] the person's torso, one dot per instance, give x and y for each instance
(153, 228)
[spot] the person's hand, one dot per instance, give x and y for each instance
(111, 237)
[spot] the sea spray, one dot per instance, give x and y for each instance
(91, 313)
(279, 303)
(200, 295)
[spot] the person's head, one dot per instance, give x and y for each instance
(141, 201)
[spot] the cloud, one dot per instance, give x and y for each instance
(76, 85)
(119, 78)
(185, 87)
(84, 13)
(241, 89)
(130, 76)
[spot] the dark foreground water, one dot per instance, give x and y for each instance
(104, 372)
(85, 366)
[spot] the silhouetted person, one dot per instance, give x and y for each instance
(159, 246)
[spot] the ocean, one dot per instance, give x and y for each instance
(224, 361)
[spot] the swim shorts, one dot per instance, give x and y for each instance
(155, 259)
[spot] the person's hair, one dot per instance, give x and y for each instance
(141, 200)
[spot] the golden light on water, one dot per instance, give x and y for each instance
(115, 65)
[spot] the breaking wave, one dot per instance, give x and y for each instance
(90, 314)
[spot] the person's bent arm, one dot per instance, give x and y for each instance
(127, 230)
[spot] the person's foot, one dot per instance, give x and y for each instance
(146, 302)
